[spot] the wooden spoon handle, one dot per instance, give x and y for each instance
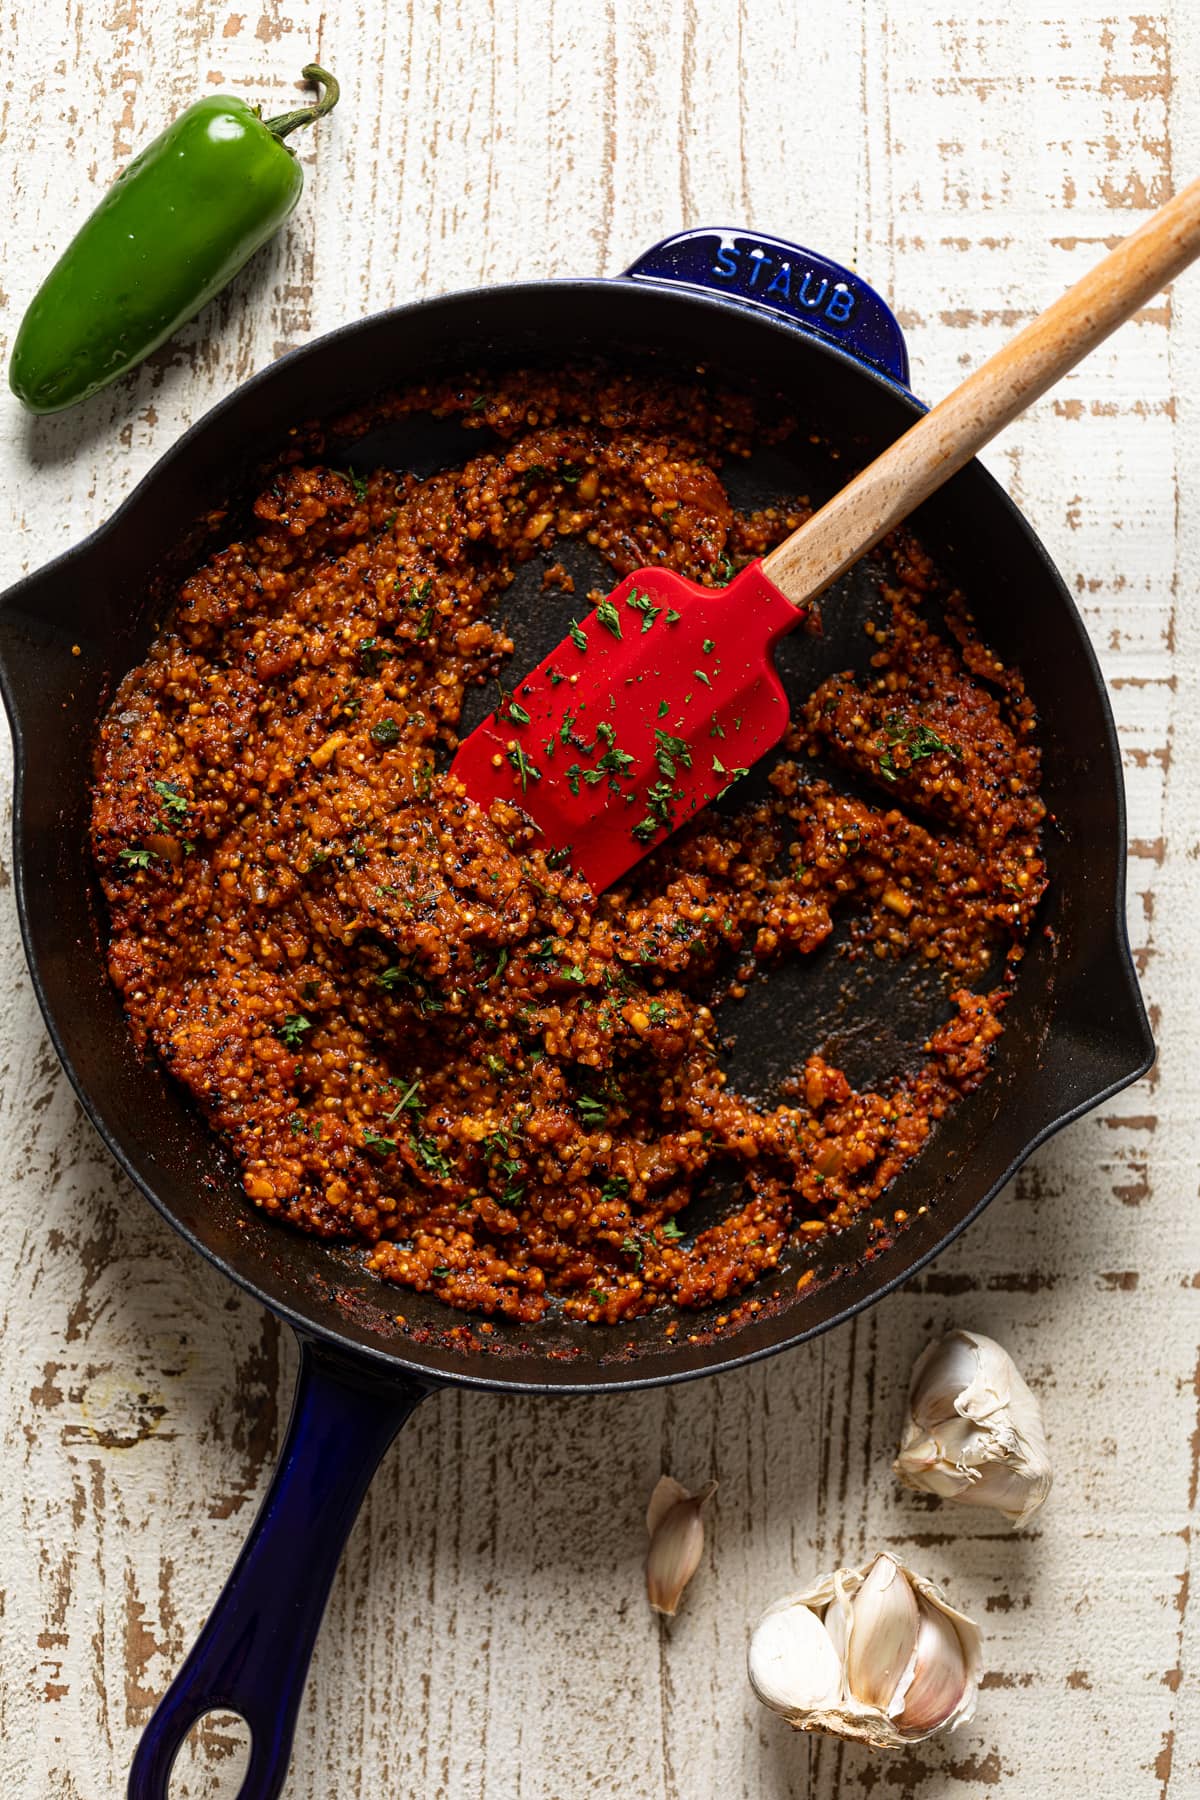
(933, 449)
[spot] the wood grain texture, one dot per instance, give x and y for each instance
(488, 1635)
(1135, 272)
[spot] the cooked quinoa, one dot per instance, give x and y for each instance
(419, 1031)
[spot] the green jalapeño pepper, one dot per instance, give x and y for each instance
(168, 235)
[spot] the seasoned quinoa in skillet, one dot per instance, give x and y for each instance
(417, 1030)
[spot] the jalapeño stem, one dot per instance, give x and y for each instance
(306, 115)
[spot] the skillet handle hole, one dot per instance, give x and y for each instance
(213, 1758)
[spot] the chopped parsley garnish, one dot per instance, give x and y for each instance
(526, 770)
(631, 1247)
(578, 635)
(614, 763)
(357, 482)
(658, 1013)
(670, 1231)
(371, 1140)
(370, 655)
(614, 1188)
(409, 1101)
(385, 731)
(733, 774)
(708, 646)
(572, 972)
(663, 709)
(918, 740)
(722, 571)
(591, 1111)
(430, 1157)
(293, 1029)
(577, 773)
(658, 810)
(671, 752)
(642, 603)
(175, 804)
(608, 616)
(399, 976)
(136, 858)
(507, 707)
(673, 617)
(701, 676)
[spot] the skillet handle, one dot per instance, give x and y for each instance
(253, 1653)
(775, 276)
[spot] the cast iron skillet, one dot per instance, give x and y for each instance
(756, 310)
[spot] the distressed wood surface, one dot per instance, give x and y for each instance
(487, 1634)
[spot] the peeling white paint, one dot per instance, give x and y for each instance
(488, 1635)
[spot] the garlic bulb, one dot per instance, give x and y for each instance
(974, 1430)
(676, 1541)
(873, 1653)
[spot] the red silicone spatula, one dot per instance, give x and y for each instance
(667, 691)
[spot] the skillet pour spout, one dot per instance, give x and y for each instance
(1076, 1030)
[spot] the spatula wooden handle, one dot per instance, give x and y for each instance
(931, 451)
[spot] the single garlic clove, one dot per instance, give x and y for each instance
(883, 1636)
(838, 1614)
(989, 1449)
(792, 1661)
(676, 1542)
(939, 1678)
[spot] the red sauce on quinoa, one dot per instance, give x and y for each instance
(411, 1026)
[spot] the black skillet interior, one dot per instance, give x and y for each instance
(1075, 1029)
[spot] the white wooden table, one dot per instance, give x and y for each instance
(487, 1635)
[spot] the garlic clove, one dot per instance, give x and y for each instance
(939, 1678)
(883, 1636)
(1017, 1493)
(941, 1373)
(676, 1542)
(792, 1673)
(990, 1449)
(666, 1492)
(793, 1664)
(838, 1614)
